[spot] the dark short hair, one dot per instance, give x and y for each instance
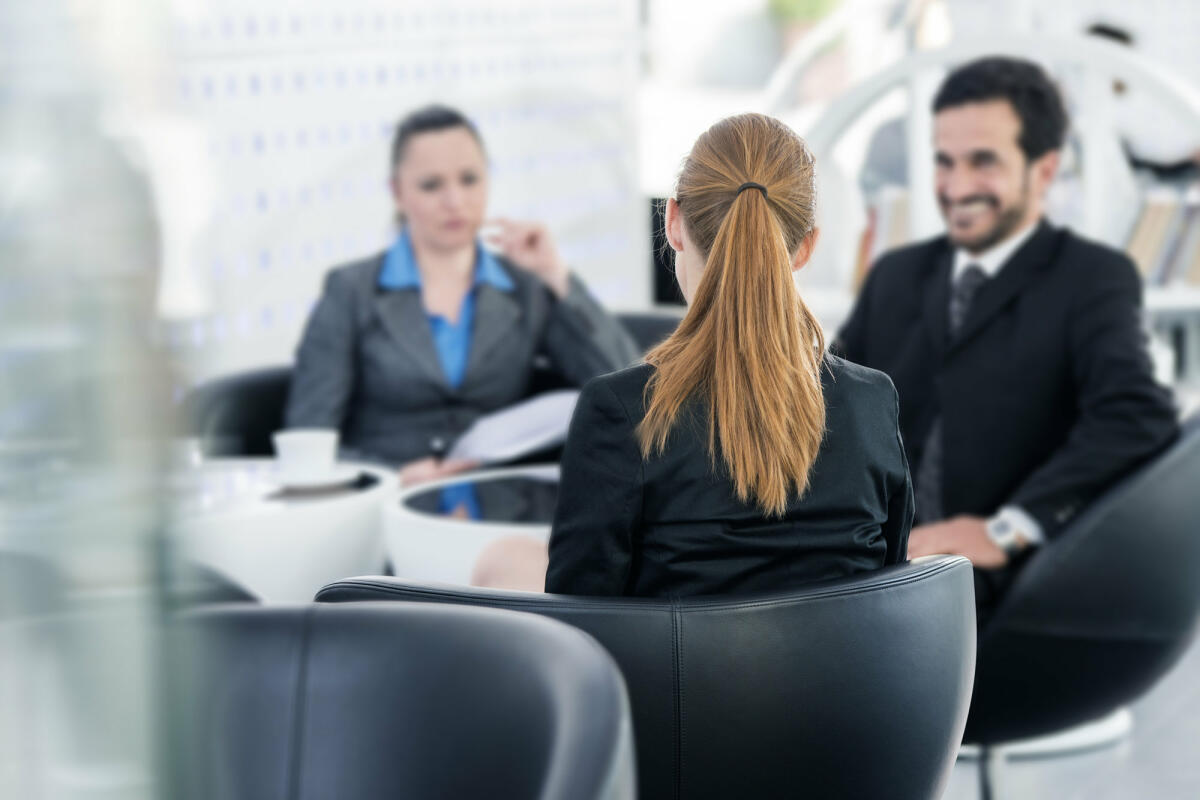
(427, 120)
(1026, 87)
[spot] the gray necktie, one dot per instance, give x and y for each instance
(929, 475)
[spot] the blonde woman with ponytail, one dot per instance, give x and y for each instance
(741, 457)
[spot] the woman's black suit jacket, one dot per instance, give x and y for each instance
(672, 525)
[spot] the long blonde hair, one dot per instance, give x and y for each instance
(748, 345)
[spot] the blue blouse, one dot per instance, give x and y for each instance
(452, 340)
(460, 495)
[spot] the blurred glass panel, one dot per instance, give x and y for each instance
(82, 411)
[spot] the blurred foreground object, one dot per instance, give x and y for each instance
(388, 700)
(82, 410)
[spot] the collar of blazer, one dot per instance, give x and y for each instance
(402, 315)
(1029, 261)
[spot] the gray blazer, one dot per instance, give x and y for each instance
(367, 365)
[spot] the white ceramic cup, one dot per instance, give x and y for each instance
(305, 454)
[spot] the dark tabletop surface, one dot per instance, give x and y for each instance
(513, 499)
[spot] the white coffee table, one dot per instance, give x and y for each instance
(232, 516)
(429, 541)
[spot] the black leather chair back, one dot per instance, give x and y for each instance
(237, 414)
(393, 700)
(1102, 611)
(649, 328)
(851, 688)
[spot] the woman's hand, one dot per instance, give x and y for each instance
(432, 469)
(530, 246)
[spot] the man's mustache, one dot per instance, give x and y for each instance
(990, 200)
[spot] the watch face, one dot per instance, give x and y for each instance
(1003, 534)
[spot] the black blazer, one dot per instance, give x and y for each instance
(1046, 394)
(672, 525)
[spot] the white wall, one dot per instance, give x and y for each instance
(297, 104)
(1165, 29)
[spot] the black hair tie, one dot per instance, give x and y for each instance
(753, 185)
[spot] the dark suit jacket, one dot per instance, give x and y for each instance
(672, 525)
(1046, 394)
(367, 364)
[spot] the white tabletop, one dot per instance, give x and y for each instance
(241, 486)
(427, 544)
(234, 516)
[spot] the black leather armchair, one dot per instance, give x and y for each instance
(852, 688)
(1100, 613)
(237, 414)
(391, 700)
(649, 328)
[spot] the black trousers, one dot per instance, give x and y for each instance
(991, 586)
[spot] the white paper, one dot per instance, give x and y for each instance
(520, 429)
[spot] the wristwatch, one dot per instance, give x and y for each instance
(1005, 535)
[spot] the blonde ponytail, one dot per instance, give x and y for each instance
(748, 345)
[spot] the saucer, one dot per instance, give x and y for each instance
(340, 475)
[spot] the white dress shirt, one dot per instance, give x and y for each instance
(991, 260)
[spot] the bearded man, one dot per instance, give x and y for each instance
(1017, 348)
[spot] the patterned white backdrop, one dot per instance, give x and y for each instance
(296, 104)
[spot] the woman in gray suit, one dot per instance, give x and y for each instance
(405, 349)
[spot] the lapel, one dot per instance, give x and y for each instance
(937, 298)
(1022, 267)
(496, 312)
(403, 317)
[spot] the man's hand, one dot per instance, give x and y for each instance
(961, 536)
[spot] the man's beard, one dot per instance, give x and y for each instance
(1007, 222)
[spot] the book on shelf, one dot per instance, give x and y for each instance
(1149, 243)
(862, 257)
(1182, 264)
(890, 217)
(1188, 265)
